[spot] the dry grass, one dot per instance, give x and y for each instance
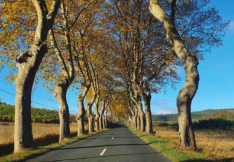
(216, 144)
(39, 130)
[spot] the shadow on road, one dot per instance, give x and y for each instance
(111, 137)
(72, 148)
(102, 156)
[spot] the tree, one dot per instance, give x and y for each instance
(67, 73)
(182, 51)
(27, 64)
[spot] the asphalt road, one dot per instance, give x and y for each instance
(114, 145)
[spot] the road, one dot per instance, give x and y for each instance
(115, 145)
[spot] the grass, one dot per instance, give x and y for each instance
(39, 130)
(217, 144)
(166, 142)
(46, 138)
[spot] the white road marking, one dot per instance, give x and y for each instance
(113, 137)
(103, 152)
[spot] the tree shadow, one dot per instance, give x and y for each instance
(7, 149)
(85, 147)
(95, 157)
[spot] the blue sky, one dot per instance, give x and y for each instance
(216, 89)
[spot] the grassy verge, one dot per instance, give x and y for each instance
(43, 149)
(168, 149)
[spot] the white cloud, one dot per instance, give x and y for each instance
(166, 110)
(231, 27)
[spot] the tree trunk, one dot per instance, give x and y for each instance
(184, 101)
(141, 115)
(64, 128)
(80, 116)
(97, 115)
(96, 122)
(28, 64)
(90, 117)
(148, 117)
(142, 121)
(190, 63)
(90, 114)
(100, 121)
(134, 121)
(138, 122)
(103, 121)
(106, 122)
(27, 68)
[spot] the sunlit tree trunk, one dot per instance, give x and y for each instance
(148, 115)
(60, 94)
(90, 114)
(81, 114)
(68, 73)
(28, 64)
(190, 63)
(104, 120)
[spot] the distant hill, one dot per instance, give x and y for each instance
(7, 114)
(226, 114)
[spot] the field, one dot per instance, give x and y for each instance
(217, 144)
(43, 134)
(39, 130)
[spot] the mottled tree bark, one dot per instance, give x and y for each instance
(141, 115)
(81, 114)
(68, 73)
(90, 114)
(148, 117)
(28, 64)
(60, 94)
(190, 63)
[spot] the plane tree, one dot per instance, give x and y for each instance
(58, 69)
(191, 28)
(42, 18)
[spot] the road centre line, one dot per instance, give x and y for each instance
(103, 152)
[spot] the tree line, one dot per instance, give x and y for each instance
(116, 53)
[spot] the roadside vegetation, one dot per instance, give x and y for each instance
(212, 145)
(46, 137)
(214, 136)
(26, 154)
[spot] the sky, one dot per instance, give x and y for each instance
(216, 87)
